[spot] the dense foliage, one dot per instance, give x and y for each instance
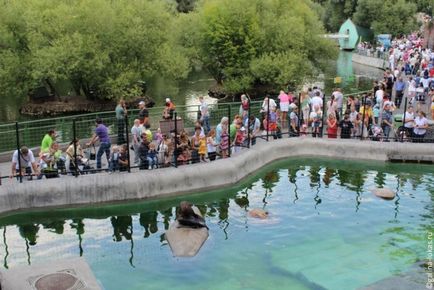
(99, 45)
(103, 47)
(382, 16)
(245, 42)
(388, 16)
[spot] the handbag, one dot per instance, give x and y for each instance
(92, 155)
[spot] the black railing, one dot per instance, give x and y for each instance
(269, 133)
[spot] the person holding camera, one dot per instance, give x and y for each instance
(23, 162)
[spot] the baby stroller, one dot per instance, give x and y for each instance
(377, 133)
(403, 134)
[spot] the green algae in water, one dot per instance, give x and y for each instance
(326, 230)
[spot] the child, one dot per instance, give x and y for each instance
(224, 142)
(152, 156)
(163, 152)
(114, 159)
(123, 158)
(239, 139)
(316, 118)
(377, 133)
(211, 144)
(158, 136)
(303, 130)
(202, 148)
(183, 157)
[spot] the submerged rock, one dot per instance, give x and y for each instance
(385, 193)
(415, 279)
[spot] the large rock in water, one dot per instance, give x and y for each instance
(184, 241)
(385, 193)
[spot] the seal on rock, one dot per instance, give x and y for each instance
(188, 232)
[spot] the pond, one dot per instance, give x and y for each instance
(355, 77)
(326, 230)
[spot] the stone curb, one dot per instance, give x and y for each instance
(202, 177)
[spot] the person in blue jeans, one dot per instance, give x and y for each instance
(101, 134)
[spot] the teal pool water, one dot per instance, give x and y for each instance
(326, 230)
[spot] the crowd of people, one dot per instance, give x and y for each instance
(409, 83)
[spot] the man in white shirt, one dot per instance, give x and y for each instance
(392, 61)
(254, 126)
(316, 101)
(26, 161)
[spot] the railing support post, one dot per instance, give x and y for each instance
(248, 127)
(268, 116)
(74, 139)
(229, 130)
(175, 151)
(127, 136)
(363, 117)
(17, 132)
(403, 117)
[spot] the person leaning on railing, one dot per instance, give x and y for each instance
(70, 155)
(101, 134)
(419, 129)
(48, 139)
(27, 162)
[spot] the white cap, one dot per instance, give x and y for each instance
(141, 103)
(167, 100)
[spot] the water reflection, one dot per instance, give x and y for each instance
(292, 177)
(148, 221)
(30, 235)
(313, 185)
(54, 227)
(78, 225)
(5, 260)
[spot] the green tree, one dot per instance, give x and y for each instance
(389, 16)
(336, 12)
(99, 46)
(425, 6)
(245, 42)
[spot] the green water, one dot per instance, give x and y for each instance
(326, 230)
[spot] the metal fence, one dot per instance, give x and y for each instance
(82, 126)
(32, 132)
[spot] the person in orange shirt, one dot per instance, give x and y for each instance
(169, 109)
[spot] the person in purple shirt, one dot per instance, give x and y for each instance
(101, 134)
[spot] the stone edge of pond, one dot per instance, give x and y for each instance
(118, 187)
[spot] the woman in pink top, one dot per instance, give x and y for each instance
(284, 106)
